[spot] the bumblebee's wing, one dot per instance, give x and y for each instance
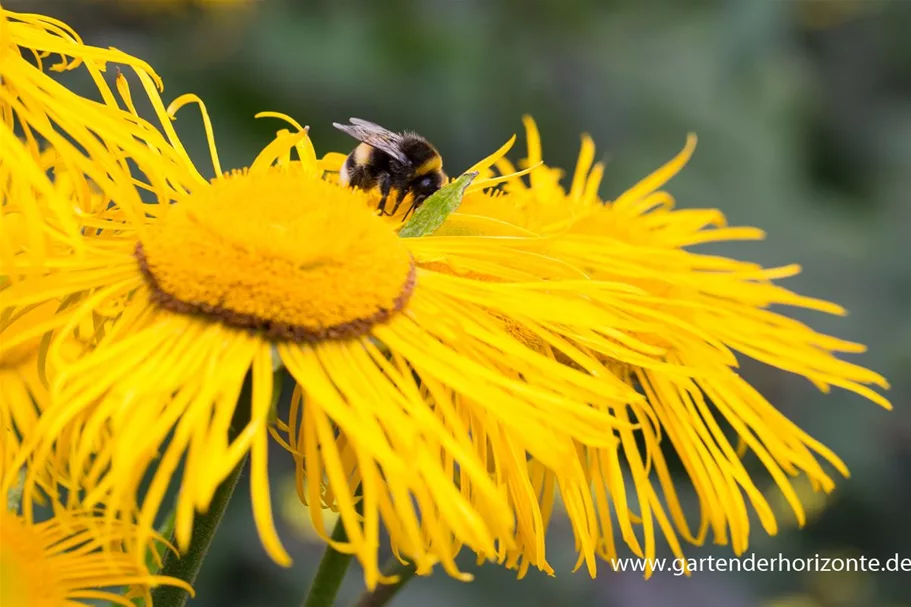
(376, 136)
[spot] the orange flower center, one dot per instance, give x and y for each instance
(281, 251)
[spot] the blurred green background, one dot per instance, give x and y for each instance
(803, 109)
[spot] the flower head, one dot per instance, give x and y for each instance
(400, 368)
(64, 175)
(72, 557)
(282, 265)
(697, 313)
(66, 560)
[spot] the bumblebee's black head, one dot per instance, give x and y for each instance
(427, 171)
(425, 185)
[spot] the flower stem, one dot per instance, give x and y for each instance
(331, 572)
(383, 593)
(186, 567)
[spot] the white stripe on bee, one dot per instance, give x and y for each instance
(362, 154)
(343, 176)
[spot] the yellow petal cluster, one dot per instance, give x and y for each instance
(72, 557)
(700, 314)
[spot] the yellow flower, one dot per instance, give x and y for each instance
(64, 176)
(698, 313)
(400, 370)
(279, 259)
(71, 558)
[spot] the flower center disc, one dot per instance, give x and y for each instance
(282, 251)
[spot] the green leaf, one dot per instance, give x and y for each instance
(437, 208)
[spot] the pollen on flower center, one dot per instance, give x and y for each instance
(281, 251)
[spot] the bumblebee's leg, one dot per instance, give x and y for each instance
(385, 182)
(398, 200)
(415, 203)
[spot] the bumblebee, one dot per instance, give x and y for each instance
(397, 163)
